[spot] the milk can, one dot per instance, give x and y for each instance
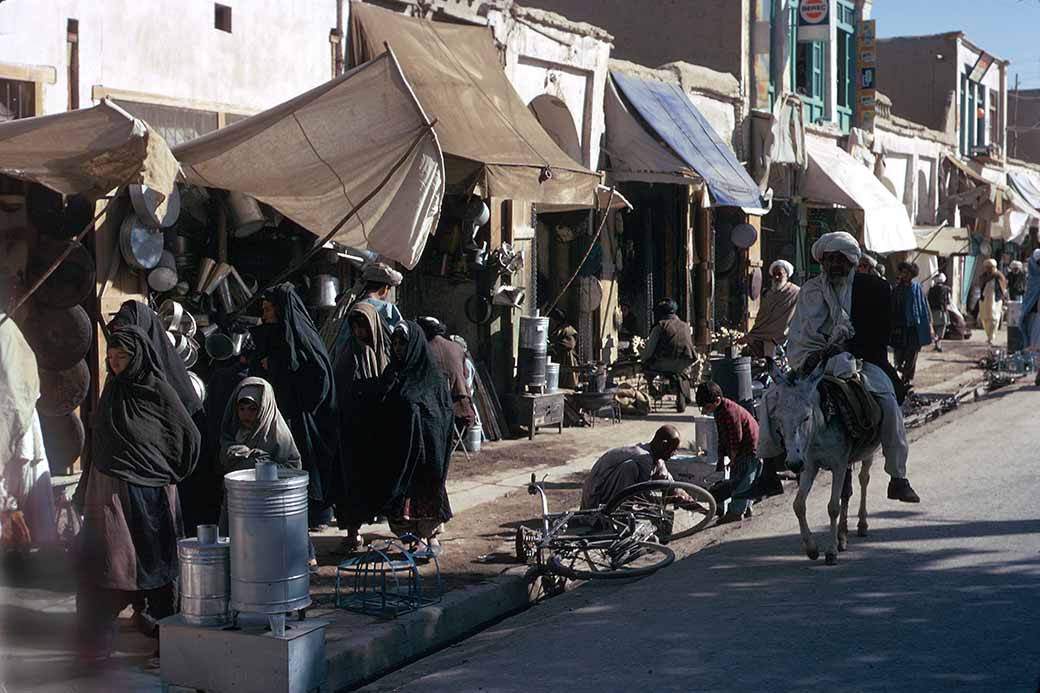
(267, 519)
(205, 583)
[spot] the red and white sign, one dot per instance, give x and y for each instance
(813, 11)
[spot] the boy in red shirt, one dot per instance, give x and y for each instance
(738, 440)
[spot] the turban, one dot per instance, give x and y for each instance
(431, 326)
(837, 242)
(784, 265)
(381, 273)
(940, 278)
(990, 263)
(1017, 266)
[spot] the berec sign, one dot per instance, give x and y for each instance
(813, 11)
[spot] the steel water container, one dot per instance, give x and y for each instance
(533, 352)
(205, 585)
(733, 376)
(267, 521)
(552, 377)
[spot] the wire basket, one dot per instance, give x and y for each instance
(385, 580)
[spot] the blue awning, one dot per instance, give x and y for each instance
(1024, 186)
(674, 119)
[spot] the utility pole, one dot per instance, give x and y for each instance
(1014, 148)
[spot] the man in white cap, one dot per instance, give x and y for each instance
(842, 310)
(379, 278)
(775, 312)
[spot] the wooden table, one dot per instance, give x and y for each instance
(537, 411)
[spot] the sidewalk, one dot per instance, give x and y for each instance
(482, 581)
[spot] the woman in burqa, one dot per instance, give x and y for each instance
(198, 493)
(253, 430)
(291, 356)
(144, 443)
(358, 365)
(415, 428)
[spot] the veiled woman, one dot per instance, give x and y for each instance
(359, 363)
(144, 443)
(292, 357)
(199, 501)
(415, 428)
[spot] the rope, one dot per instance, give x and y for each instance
(595, 239)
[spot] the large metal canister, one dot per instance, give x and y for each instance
(205, 584)
(533, 352)
(267, 521)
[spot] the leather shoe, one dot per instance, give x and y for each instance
(900, 490)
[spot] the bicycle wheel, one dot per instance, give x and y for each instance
(676, 509)
(610, 559)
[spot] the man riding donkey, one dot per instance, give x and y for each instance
(841, 316)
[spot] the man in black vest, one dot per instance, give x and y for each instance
(669, 350)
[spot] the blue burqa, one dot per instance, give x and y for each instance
(1029, 301)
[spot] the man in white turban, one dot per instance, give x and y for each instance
(775, 311)
(842, 310)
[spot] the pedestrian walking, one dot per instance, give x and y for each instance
(994, 288)
(939, 298)
(911, 322)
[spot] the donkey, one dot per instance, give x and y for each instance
(814, 443)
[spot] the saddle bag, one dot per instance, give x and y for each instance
(853, 405)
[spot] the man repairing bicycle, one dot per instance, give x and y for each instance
(626, 466)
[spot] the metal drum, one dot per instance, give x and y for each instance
(533, 351)
(733, 376)
(552, 377)
(267, 518)
(205, 584)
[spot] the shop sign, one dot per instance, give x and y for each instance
(814, 20)
(866, 67)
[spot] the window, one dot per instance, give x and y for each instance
(845, 85)
(17, 99)
(975, 127)
(994, 118)
(810, 68)
(222, 17)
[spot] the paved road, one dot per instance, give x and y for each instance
(945, 595)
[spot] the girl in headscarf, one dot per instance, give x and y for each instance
(417, 418)
(253, 430)
(994, 290)
(144, 443)
(292, 357)
(199, 501)
(360, 362)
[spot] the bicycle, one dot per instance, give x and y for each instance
(625, 538)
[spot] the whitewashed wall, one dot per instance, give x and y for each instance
(277, 48)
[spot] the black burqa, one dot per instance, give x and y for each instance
(415, 424)
(299, 370)
(142, 432)
(200, 491)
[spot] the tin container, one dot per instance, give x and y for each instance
(267, 518)
(205, 584)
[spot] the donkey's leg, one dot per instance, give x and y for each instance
(834, 509)
(864, 481)
(805, 483)
(843, 519)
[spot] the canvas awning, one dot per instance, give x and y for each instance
(837, 178)
(603, 198)
(673, 119)
(90, 151)
(315, 157)
(942, 240)
(492, 142)
(1025, 187)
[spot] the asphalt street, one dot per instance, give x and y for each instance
(940, 596)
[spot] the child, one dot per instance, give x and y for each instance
(738, 440)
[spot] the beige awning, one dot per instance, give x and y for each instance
(942, 240)
(90, 152)
(491, 141)
(315, 157)
(603, 197)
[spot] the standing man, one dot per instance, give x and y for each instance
(775, 312)
(737, 442)
(911, 322)
(939, 298)
(452, 361)
(669, 350)
(379, 278)
(1016, 281)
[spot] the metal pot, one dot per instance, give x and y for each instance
(221, 346)
(164, 277)
(154, 209)
(206, 267)
(246, 214)
(200, 387)
(324, 290)
(63, 438)
(71, 283)
(62, 391)
(141, 246)
(205, 572)
(60, 337)
(175, 318)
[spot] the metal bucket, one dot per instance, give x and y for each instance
(324, 290)
(474, 435)
(532, 354)
(268, 526)
(205, 585)
(733, 376)
(552, 376)
(62, 391)
(706, 436)
(246, 214)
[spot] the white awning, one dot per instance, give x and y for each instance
(361, 136)
(942, 240)
(835, 177)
